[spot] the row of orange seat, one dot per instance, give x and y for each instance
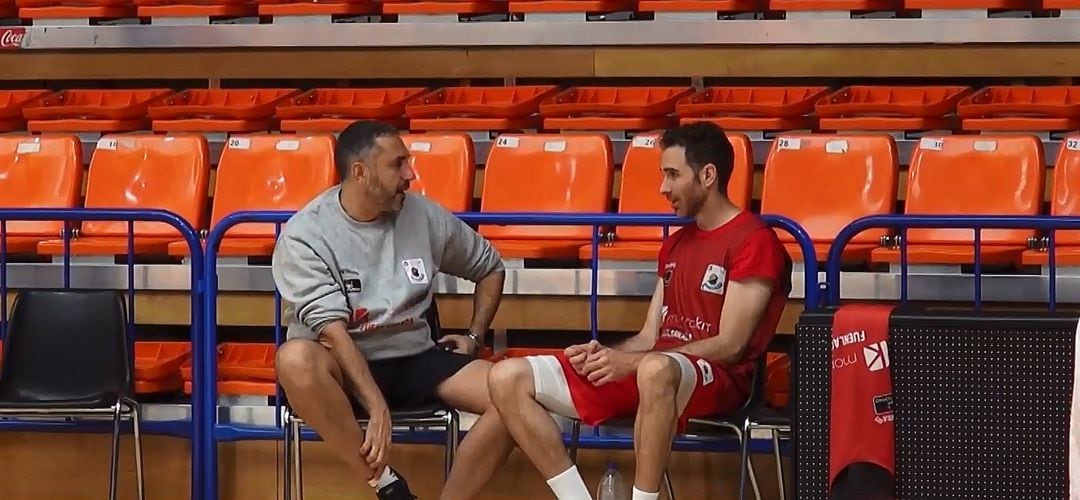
(60, 9)
(821, 181)
(546, 107)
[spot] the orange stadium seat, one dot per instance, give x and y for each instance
(972, 175)
(218, 110)
(824, 182)
(546, 173)
(1065, 201)
(11, 106)
(445, 168)
(639, 192)
(92, 110)
(505, 109)
(1020, 108)
(890, 108)
(752, 108)
(266, 172)
(141, 171)
(38, 172)
(331, 110)
(612, 108)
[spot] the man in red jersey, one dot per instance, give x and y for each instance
(722, 285)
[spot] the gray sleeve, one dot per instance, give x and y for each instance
(305, 282)
(465, 253)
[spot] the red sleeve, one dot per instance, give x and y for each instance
(761, 256)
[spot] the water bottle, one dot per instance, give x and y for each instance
(612, 486)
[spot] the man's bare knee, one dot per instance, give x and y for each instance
(510, 378)
(303, 364)
(658, 373)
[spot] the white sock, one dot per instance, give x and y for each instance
(568, 485)
(641, 495)
(388, 476)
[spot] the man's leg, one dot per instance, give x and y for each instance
(487, 444)
(658, 380)
(313, 382)
(513, 391)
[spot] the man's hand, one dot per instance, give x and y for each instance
(577, 354)
(462, 344)
(609, 365)
(376, 448)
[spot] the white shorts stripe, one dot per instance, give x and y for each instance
(549, 382)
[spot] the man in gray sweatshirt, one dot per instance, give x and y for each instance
(355, 268)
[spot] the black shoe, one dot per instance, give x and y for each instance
(397, 490)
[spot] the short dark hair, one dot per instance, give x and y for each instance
(703, 143)
(356, 140)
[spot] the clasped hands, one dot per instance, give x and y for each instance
(601, 364)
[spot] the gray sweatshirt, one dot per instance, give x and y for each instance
(376, 276)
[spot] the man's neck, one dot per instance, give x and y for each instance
(716, 212)
(356, 206)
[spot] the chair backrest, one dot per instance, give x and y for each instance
(445, 167)
(1065, 196)
(144, 171)
(824, 182)
(975, 175)
(547, 173)
(39, 172)
(639, 190)
(66, 345)
(271, 172)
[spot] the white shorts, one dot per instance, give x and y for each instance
(553, 391)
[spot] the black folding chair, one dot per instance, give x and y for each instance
(428, 416)
(737, 422)
(66, 354)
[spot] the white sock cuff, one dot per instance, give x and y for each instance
(568, 485)
(641, 495)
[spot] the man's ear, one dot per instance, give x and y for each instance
(707, 175)
(358, 170)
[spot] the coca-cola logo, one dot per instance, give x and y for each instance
(11, 38)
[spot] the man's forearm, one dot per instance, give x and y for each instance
(353, 366)
(636, 343)
(718, 349)
(486, 300)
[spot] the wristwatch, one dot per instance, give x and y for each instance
(476, 338)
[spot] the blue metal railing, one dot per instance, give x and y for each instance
(902, 223)
(186, 232)
(208, 368)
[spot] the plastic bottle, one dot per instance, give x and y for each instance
(612, 486)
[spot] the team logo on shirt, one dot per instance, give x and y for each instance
(669, 271)
(414, 270)
(714, 279)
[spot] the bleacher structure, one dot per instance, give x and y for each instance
(837, 110)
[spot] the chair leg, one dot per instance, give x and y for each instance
(298, 471)
(668, 486)
(453, 433)
(114, 463)
(780, 484)
(575, 433)
(746, 467)
(136, 425)
(286, 455)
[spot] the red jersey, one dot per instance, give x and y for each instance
(696, 267)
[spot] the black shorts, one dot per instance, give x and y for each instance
(411, 381)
